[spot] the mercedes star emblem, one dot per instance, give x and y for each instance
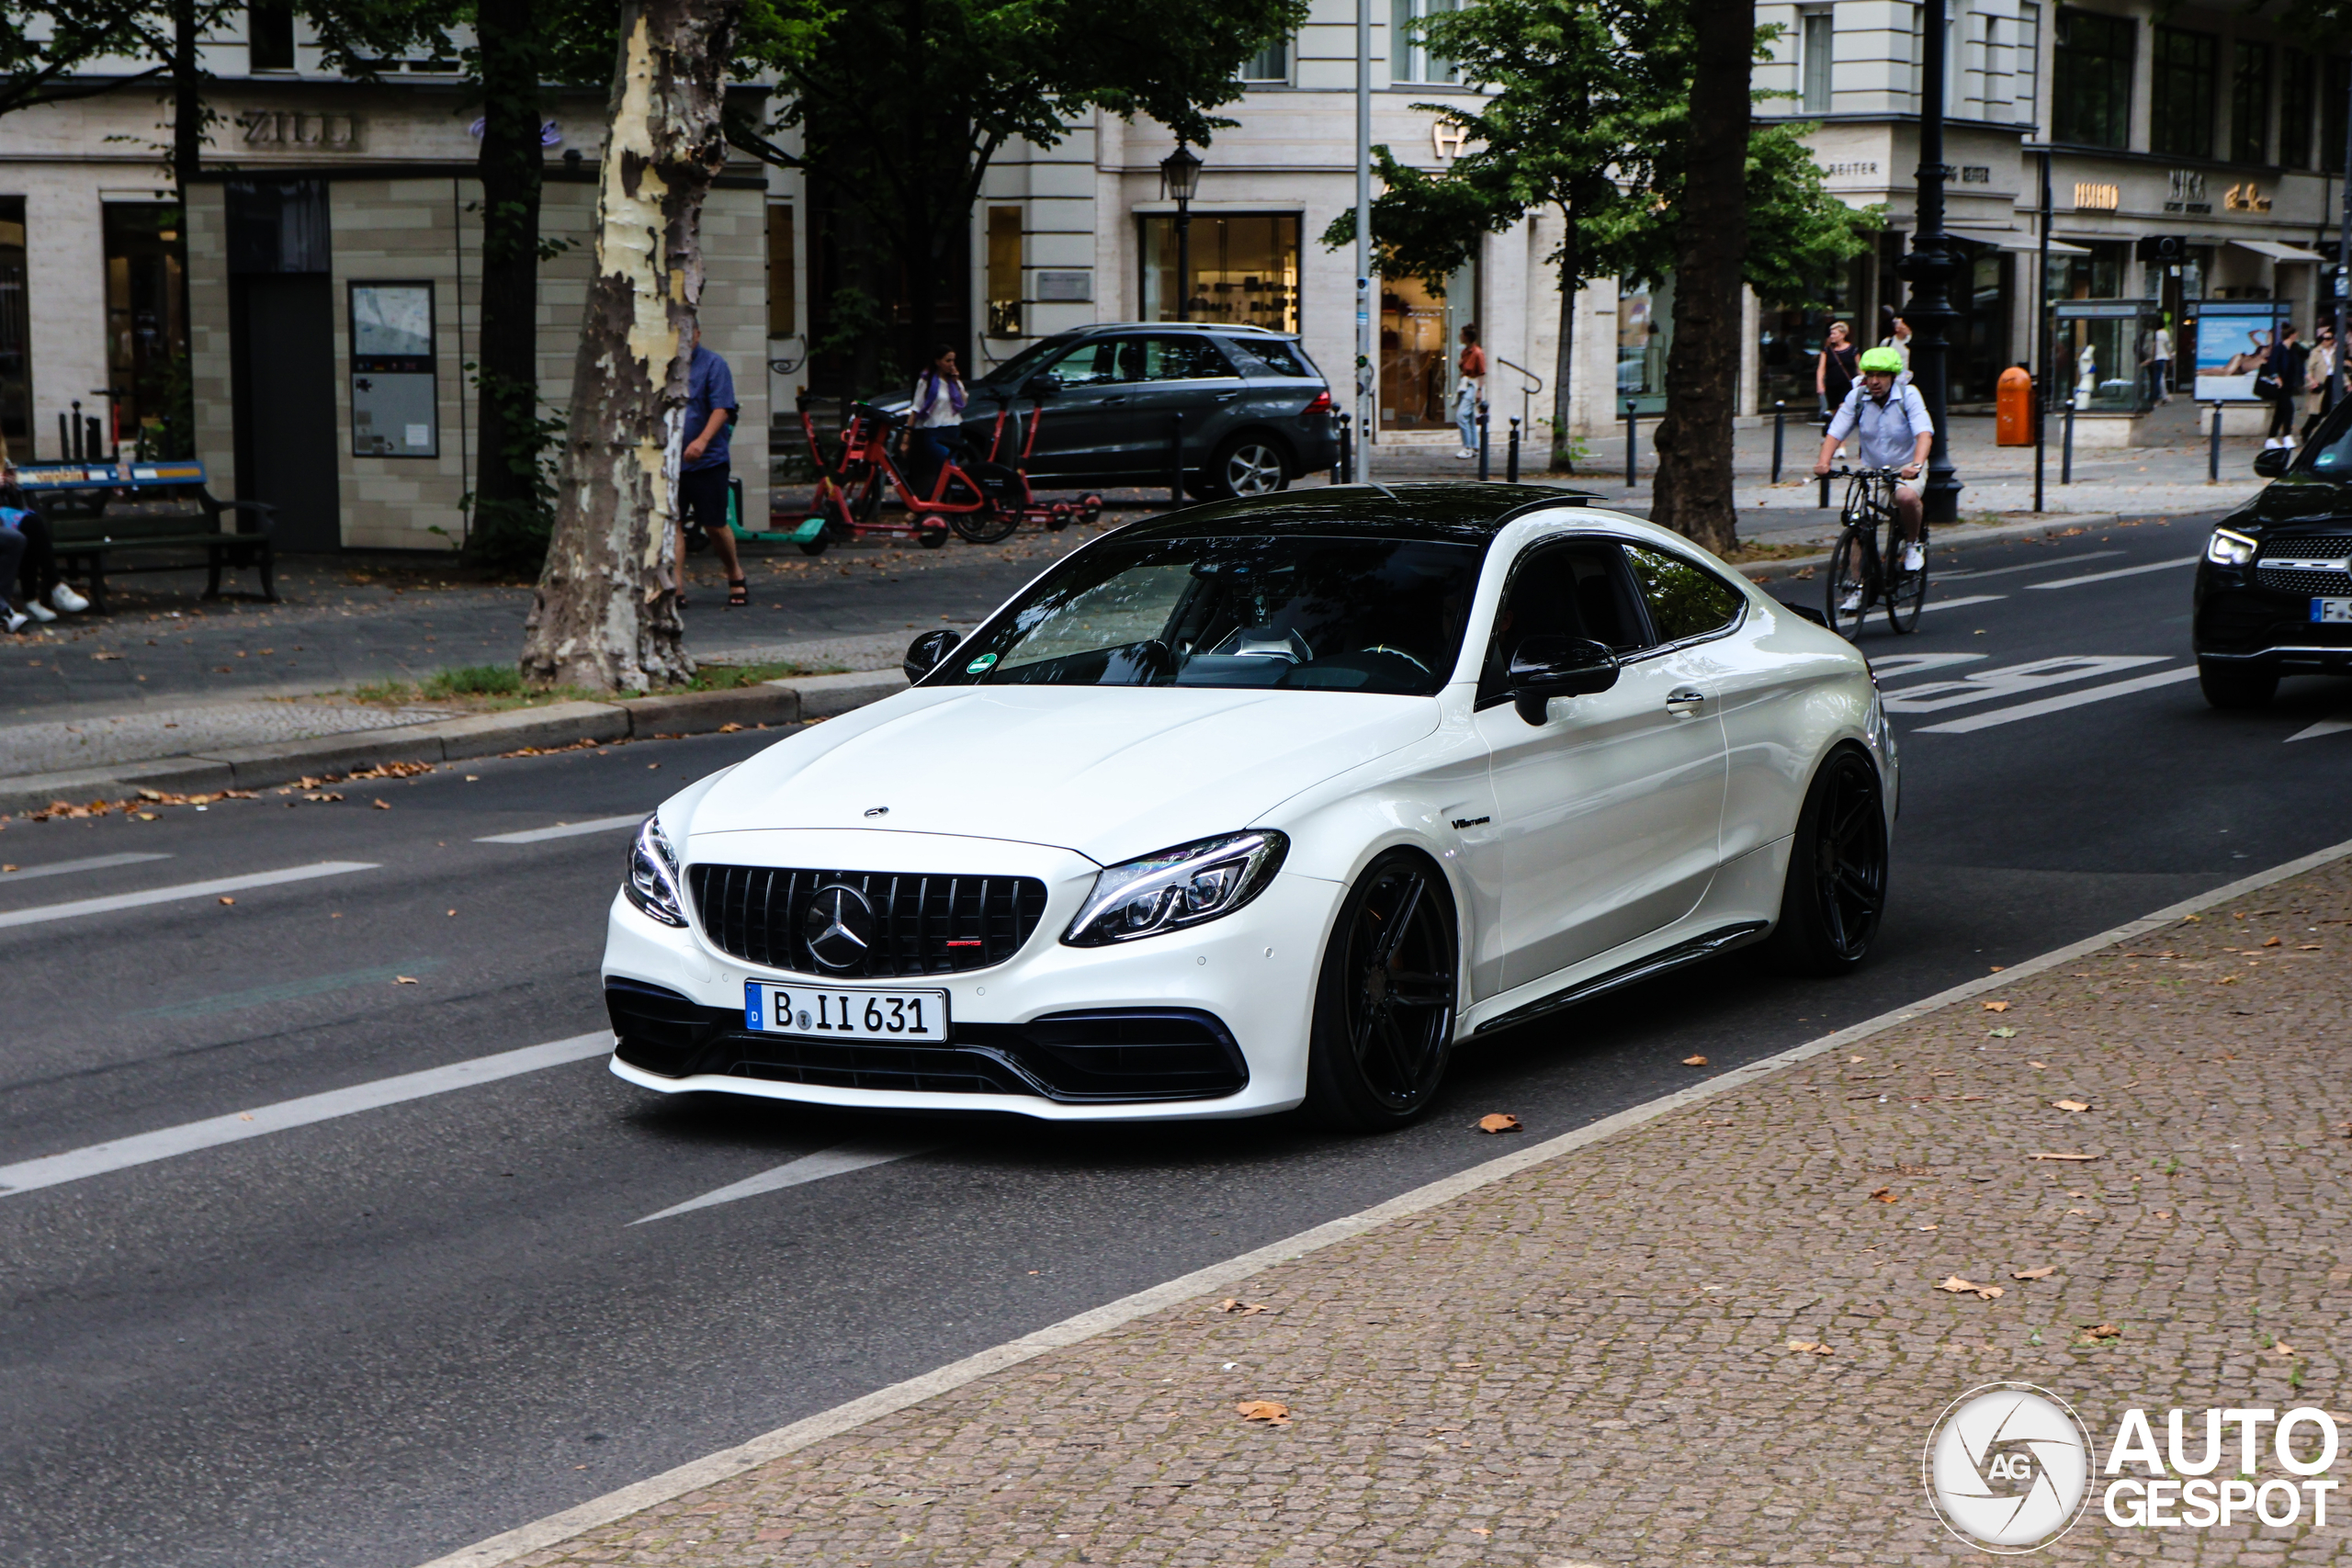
(839, 926)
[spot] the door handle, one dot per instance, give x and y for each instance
(1684, 699)
(1116, 397)
(1227, 397)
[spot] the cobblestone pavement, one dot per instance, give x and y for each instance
(1597, 1360)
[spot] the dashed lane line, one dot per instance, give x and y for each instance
(565, 831)
(66, 867)
(839, 1160)
(1971, 574)
(168, 1142)
(1956, 603)
(42, 913)
(2119, 571)
(2059, 704)
(2336, 725)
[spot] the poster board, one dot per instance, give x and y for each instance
(2231, 336)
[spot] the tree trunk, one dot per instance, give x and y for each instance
(605, 614)
(509, 517)
(1693, 494)
(1563, 368)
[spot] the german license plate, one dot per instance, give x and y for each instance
(824, 1014)
(2333, 612)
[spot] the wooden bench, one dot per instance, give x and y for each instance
(96, 510)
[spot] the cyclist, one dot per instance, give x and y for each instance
(1894, 431)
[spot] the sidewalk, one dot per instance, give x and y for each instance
(1716, 1338)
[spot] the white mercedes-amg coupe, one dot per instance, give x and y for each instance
(1261, 805)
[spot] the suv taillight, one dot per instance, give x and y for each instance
(1322, 404)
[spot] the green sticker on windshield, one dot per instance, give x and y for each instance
(983, 662)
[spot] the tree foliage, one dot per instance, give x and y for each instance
(45, 44)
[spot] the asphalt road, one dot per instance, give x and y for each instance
(374, 1338)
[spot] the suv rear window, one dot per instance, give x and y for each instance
(1270, 356)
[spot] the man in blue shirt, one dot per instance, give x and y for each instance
(703, 466)
(1889, 421)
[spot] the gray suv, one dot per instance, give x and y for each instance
(1256, 411)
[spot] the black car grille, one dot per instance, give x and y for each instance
(2320, 547)
(919, 925)
(2271, 577)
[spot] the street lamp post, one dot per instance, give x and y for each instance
(1365, 385)
(1928, 269)
(1180, 177)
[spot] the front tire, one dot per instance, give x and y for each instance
(2234, 688)
(1383, 1029)
(1835, 891)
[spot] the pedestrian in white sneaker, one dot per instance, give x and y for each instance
(1470, 392)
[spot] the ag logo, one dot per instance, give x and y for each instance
(2007, 1467)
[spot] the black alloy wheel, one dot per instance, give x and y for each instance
(1384, 1006)
(1835, 891)
(2232, 687)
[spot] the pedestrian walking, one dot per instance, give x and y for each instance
(703, 465)
(2316, 371)
(2279, 381)
(2160, 362)
(935, 420)
(1835, 367)
(1470, 392)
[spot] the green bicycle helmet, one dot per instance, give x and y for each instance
(1883, 359)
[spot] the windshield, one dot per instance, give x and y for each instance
(1319, 613)
(1021, 365)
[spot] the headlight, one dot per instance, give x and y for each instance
(652, 881)
(2229, 547)
(1176, 888)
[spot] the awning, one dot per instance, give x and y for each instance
(2276, 250)
(2019, 240)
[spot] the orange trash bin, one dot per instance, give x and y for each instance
(2013, 409)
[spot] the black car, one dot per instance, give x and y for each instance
(1256, 413)
(2274, 591)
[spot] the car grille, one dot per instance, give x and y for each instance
(920, 925)
(2325, 546)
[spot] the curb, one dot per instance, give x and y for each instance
(771, 703)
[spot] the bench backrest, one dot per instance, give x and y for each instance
(83, 476)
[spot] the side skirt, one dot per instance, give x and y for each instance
(1705, 945)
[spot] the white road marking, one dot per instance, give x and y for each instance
(565, 831)
(146, 1148)
(2119, 571)
(46, 912)
(2059, 704)
(2336, 725)
(1226, 1278)
(839, 1160)
(2015, 680)
(1898, 666)
(60, 868)
(2028, 566)
(1956, 603)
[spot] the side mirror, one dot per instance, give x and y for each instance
(1548, 666)
(2271, 461)
(1045, 384)
(927, 652)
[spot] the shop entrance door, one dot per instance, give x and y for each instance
(282, 357)
(1420, 334)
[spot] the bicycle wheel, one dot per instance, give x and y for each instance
(985, 527)
(1906, 591)
(1849, 581)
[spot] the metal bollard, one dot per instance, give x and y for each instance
(2213, 448)
(2066, 451)
(1482, 439)
(1632, 424)
(1510, 454)
(1176, 462)
(1346, 465)
(1780, 434)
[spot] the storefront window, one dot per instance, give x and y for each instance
(2093, 104)
(1420, 331)
(2098, 276)
(1645, 334)
(1791, 337)
(1244, 269)
(147, 327)
(2102, 347)
(15, 335)
(2187, 79)
(1004, 272)
(2250, 105)
(1980, 338)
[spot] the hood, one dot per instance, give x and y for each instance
(2297, 499)
(1111, 772)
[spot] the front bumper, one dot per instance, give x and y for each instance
(1210, 1021)
(2240, 621)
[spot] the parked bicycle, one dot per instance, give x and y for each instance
(1862, 576)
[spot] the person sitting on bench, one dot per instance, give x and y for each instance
(35, 569)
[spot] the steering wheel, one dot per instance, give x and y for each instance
(1400, 653)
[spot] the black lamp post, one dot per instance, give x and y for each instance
(1180, 177)
(1928, 269)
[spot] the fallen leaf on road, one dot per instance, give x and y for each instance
(1694, 1061)
(2070, 1157)
(1999, 968)
(1884, 1195)
(106, 656)
(2042, 1273)
(2280, 1349)
(1264, 1410)
(2309, 947)
(1997, 1006)
(403, 979)
(1498, 1122)
(2043, 1065)
(381, 805)
(2069, 1105)
(2164, 1213)
(1811, 1347)
(1240, 1308)
(228, 900)
(2101, 1331)
(1480, 1530)
(729, 728)
(2003, 1033)
(453, 912)
(1960, 1286)
(2272, 942)
(244, 1115)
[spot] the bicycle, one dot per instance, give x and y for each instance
(1859, 573)
(983, 501)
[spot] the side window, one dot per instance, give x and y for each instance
(1685, 601)
(1097, 364)
(1185, 358)
(1573, 589)
(1269, 356)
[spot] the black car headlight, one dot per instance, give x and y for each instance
(652, 881)
(2229, 547)
(1178, 887)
